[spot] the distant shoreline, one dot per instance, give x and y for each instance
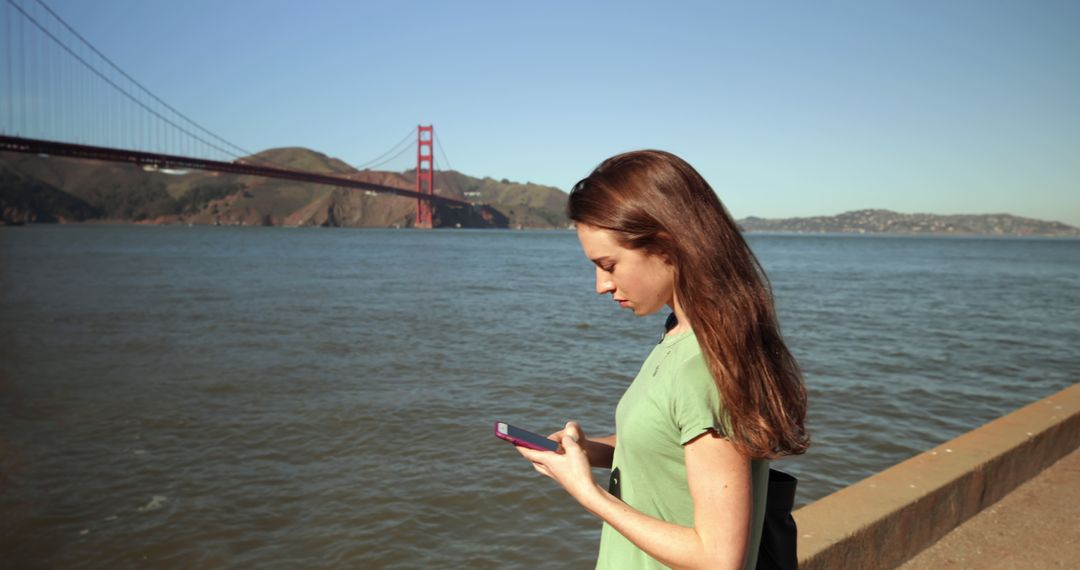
(65, 190)
(909, 235)
(887, 222)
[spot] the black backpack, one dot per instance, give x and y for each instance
(778, 534)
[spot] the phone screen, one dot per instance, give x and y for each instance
(524, 437)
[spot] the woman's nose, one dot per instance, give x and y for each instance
(604, 284)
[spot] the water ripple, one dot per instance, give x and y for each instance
(171, 400)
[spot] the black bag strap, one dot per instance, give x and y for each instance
(779, 535)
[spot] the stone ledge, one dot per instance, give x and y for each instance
(887, 518)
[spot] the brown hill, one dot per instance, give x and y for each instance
(41, 189)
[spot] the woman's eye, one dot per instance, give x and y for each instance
(608, 269)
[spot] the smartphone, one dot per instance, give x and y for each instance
(524, 438)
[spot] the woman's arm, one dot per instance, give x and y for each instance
(601, 451)
(719, 481)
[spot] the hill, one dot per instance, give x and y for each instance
(889, 222)
(55, 189)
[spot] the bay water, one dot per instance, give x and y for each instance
(211, 397)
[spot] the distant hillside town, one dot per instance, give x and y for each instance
(889, 222)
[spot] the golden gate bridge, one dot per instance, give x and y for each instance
(64, 97)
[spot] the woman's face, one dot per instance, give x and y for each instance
(636, 280)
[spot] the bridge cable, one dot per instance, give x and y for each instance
(443, 152)
(392, 158)
(367, 164)
(132, 80)
(246, 154)
(10, 98)
(129, 95)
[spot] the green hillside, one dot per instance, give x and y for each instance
(525, 205)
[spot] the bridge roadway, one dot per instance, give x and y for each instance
(52, 148)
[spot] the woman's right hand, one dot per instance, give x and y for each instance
(571, 429)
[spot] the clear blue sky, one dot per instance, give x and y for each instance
(787, 108)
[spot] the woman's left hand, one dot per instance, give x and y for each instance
(569, 467)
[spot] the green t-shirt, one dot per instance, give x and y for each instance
(672, 400)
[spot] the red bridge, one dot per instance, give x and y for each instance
(63, 97)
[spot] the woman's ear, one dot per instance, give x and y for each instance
(663, 240)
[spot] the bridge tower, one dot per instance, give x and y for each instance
(425, 174)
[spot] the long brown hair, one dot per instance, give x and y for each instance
(655, 202)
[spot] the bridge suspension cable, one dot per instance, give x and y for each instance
(58, 101)
(403, 145)
(443, 153)
(234, 147)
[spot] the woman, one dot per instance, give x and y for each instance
(717, 398)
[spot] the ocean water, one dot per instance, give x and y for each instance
(176, 397)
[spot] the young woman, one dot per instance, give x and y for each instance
(717, 398)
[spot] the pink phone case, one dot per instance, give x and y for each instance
(524, 438)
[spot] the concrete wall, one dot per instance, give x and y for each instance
(889, 517)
